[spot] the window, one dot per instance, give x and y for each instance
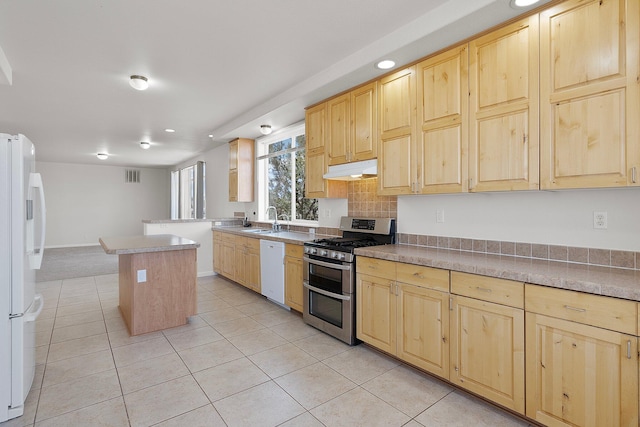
(187, 192)
(281, 169)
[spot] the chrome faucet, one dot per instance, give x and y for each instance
(286, 217)
(276, 225)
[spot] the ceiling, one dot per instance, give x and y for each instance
(219, 68)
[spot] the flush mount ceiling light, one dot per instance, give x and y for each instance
(385, 64)
(522, 3)
(169, 130)
(265, 129)
(103, 156)
(138, 82)
(145, 145)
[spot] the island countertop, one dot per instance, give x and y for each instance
(149, 243)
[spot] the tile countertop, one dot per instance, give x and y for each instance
(293, 237)
(150, 243)
(613, 282)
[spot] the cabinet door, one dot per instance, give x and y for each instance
(376, 312)
(293, 283)
(579, 375)
(590, 94)
(240, 265)
(315, 185)
(217, 253)
(233, 185)
(253, 272)
(228, 260)
(233, 155)
(487, 351)
(364, 117)
(396, 125)
(503, 84)
(443, 121)
(315, 129)
(423, 328)
(338, 129)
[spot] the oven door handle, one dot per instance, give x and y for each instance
(327, 264)
(325, 293)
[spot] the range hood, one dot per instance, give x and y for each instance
(353, 171)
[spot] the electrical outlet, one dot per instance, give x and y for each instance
(327, 213)
(600, 220)
(439, 215)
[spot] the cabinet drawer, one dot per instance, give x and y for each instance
(500, 291)
(295, 251)
(253, 243)
(425, 277)
(227, 237)
(595, 310)
(376, 267)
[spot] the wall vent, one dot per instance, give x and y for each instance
(132, 176)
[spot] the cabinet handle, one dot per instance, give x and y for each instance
(396, 290)
(483, 289)
(419, 275)
(391, 287)
(580, 310)
(450, 303)
(470, 183)
(633, 175)
(628, 349)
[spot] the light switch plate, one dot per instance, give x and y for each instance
(142, 276)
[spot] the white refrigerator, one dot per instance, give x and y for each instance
(22, 231)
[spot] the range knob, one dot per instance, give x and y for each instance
(323, 252)
(341, 256)
(335, 255)
(307, 250)
(313, 251)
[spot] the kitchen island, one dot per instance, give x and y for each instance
(157, 280)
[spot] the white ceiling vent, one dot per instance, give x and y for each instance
(132, 176)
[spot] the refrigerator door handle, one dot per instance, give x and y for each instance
(33, 315)
(36, 182)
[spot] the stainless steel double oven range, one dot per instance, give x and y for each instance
(330, 274)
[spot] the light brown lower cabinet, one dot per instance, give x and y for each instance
(579, 374)
(408, 320)
(293, 290)
(237, 258)
(487, 338)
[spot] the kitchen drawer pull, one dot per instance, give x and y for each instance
(628, 349)
(483, 289)
(580, 310)
(346, 267)
(633, 175)
(419, 275)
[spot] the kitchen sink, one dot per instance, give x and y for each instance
(259, 231)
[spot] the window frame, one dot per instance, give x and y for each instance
(262, 156)
(194, 189)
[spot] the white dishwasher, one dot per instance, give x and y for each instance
(272, 270)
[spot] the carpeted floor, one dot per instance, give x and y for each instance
(68, 263)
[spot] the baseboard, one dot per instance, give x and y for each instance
(206, 273)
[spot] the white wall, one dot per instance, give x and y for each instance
(549, 217)
(217, 182)
(86, 202)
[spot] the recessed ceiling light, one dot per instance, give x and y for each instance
(210, 136)
(169, 130)
(385, 64)
(103, 156)
(265, 129)
(138, 82)
(145, 145)
(523, 3)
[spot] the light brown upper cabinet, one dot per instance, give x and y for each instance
(317, 157)
(589, 90)
(503, 85)
(352, 133)
(397, 132)
(241, 161)
(443, 123)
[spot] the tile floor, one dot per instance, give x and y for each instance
(242, 361)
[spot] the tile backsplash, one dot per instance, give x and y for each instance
(589, 256)
(364, 202)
